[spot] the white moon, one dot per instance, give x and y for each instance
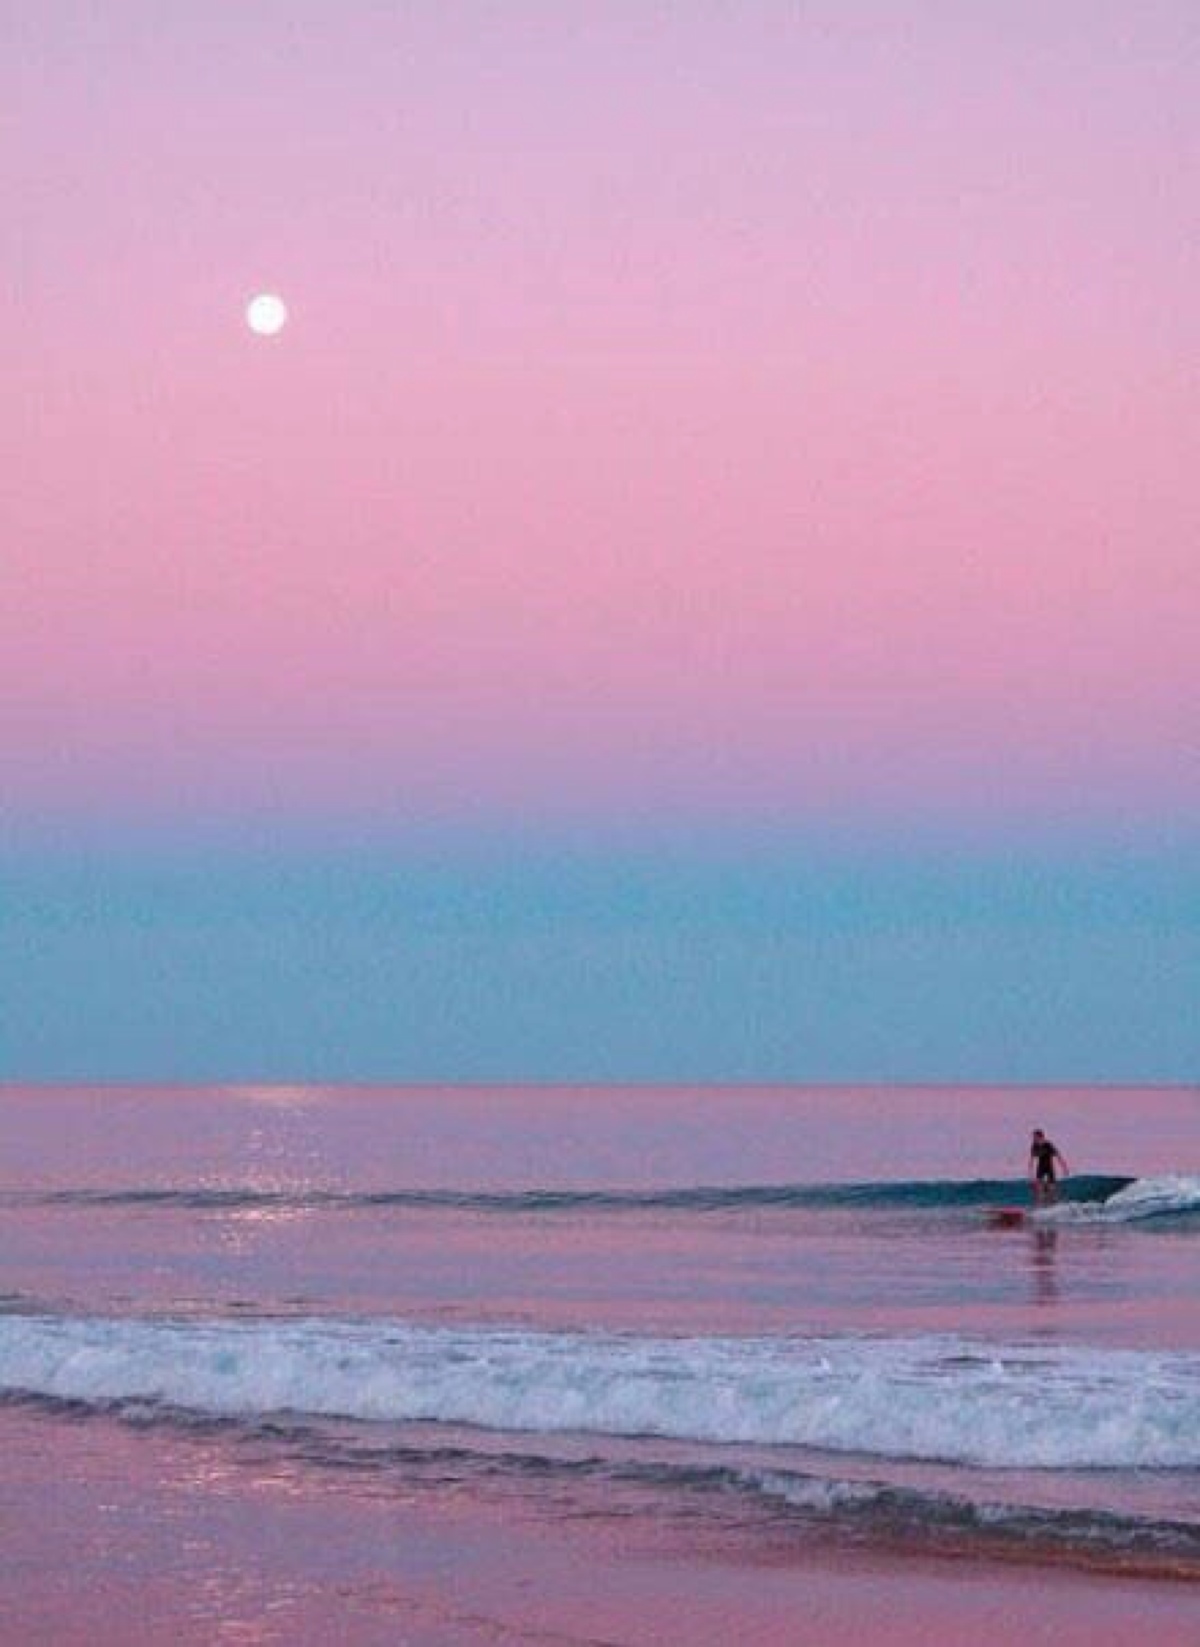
(266, 314)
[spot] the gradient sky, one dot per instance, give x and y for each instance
(734, 451)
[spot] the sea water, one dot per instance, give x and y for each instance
(743, 1309)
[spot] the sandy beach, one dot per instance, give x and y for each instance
(142, 1536)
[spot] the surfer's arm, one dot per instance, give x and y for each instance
(1062, 1161)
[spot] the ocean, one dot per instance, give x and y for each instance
(620, 1365)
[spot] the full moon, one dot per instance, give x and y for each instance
(266, 314)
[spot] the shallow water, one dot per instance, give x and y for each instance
(747, 1310)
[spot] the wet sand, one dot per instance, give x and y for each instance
(112, 1533)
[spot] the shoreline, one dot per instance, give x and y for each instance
(114, 1532)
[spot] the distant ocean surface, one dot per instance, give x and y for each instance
(774, 1314)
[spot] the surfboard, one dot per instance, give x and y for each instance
(1006, 1218)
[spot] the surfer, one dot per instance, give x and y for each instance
(1044, 1160)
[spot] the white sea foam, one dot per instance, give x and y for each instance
(1166, 1196)
(924, 1397)
(816, 1494)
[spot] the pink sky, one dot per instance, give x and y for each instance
(757, 409)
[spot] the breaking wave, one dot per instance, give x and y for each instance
(930, 1397)
(1173, 1196)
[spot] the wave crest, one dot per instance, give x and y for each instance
(944, 1194)
(1173, 1195)
(930, 1397)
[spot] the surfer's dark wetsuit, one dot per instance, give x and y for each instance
(1045, 1158)
(1044, 1153)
